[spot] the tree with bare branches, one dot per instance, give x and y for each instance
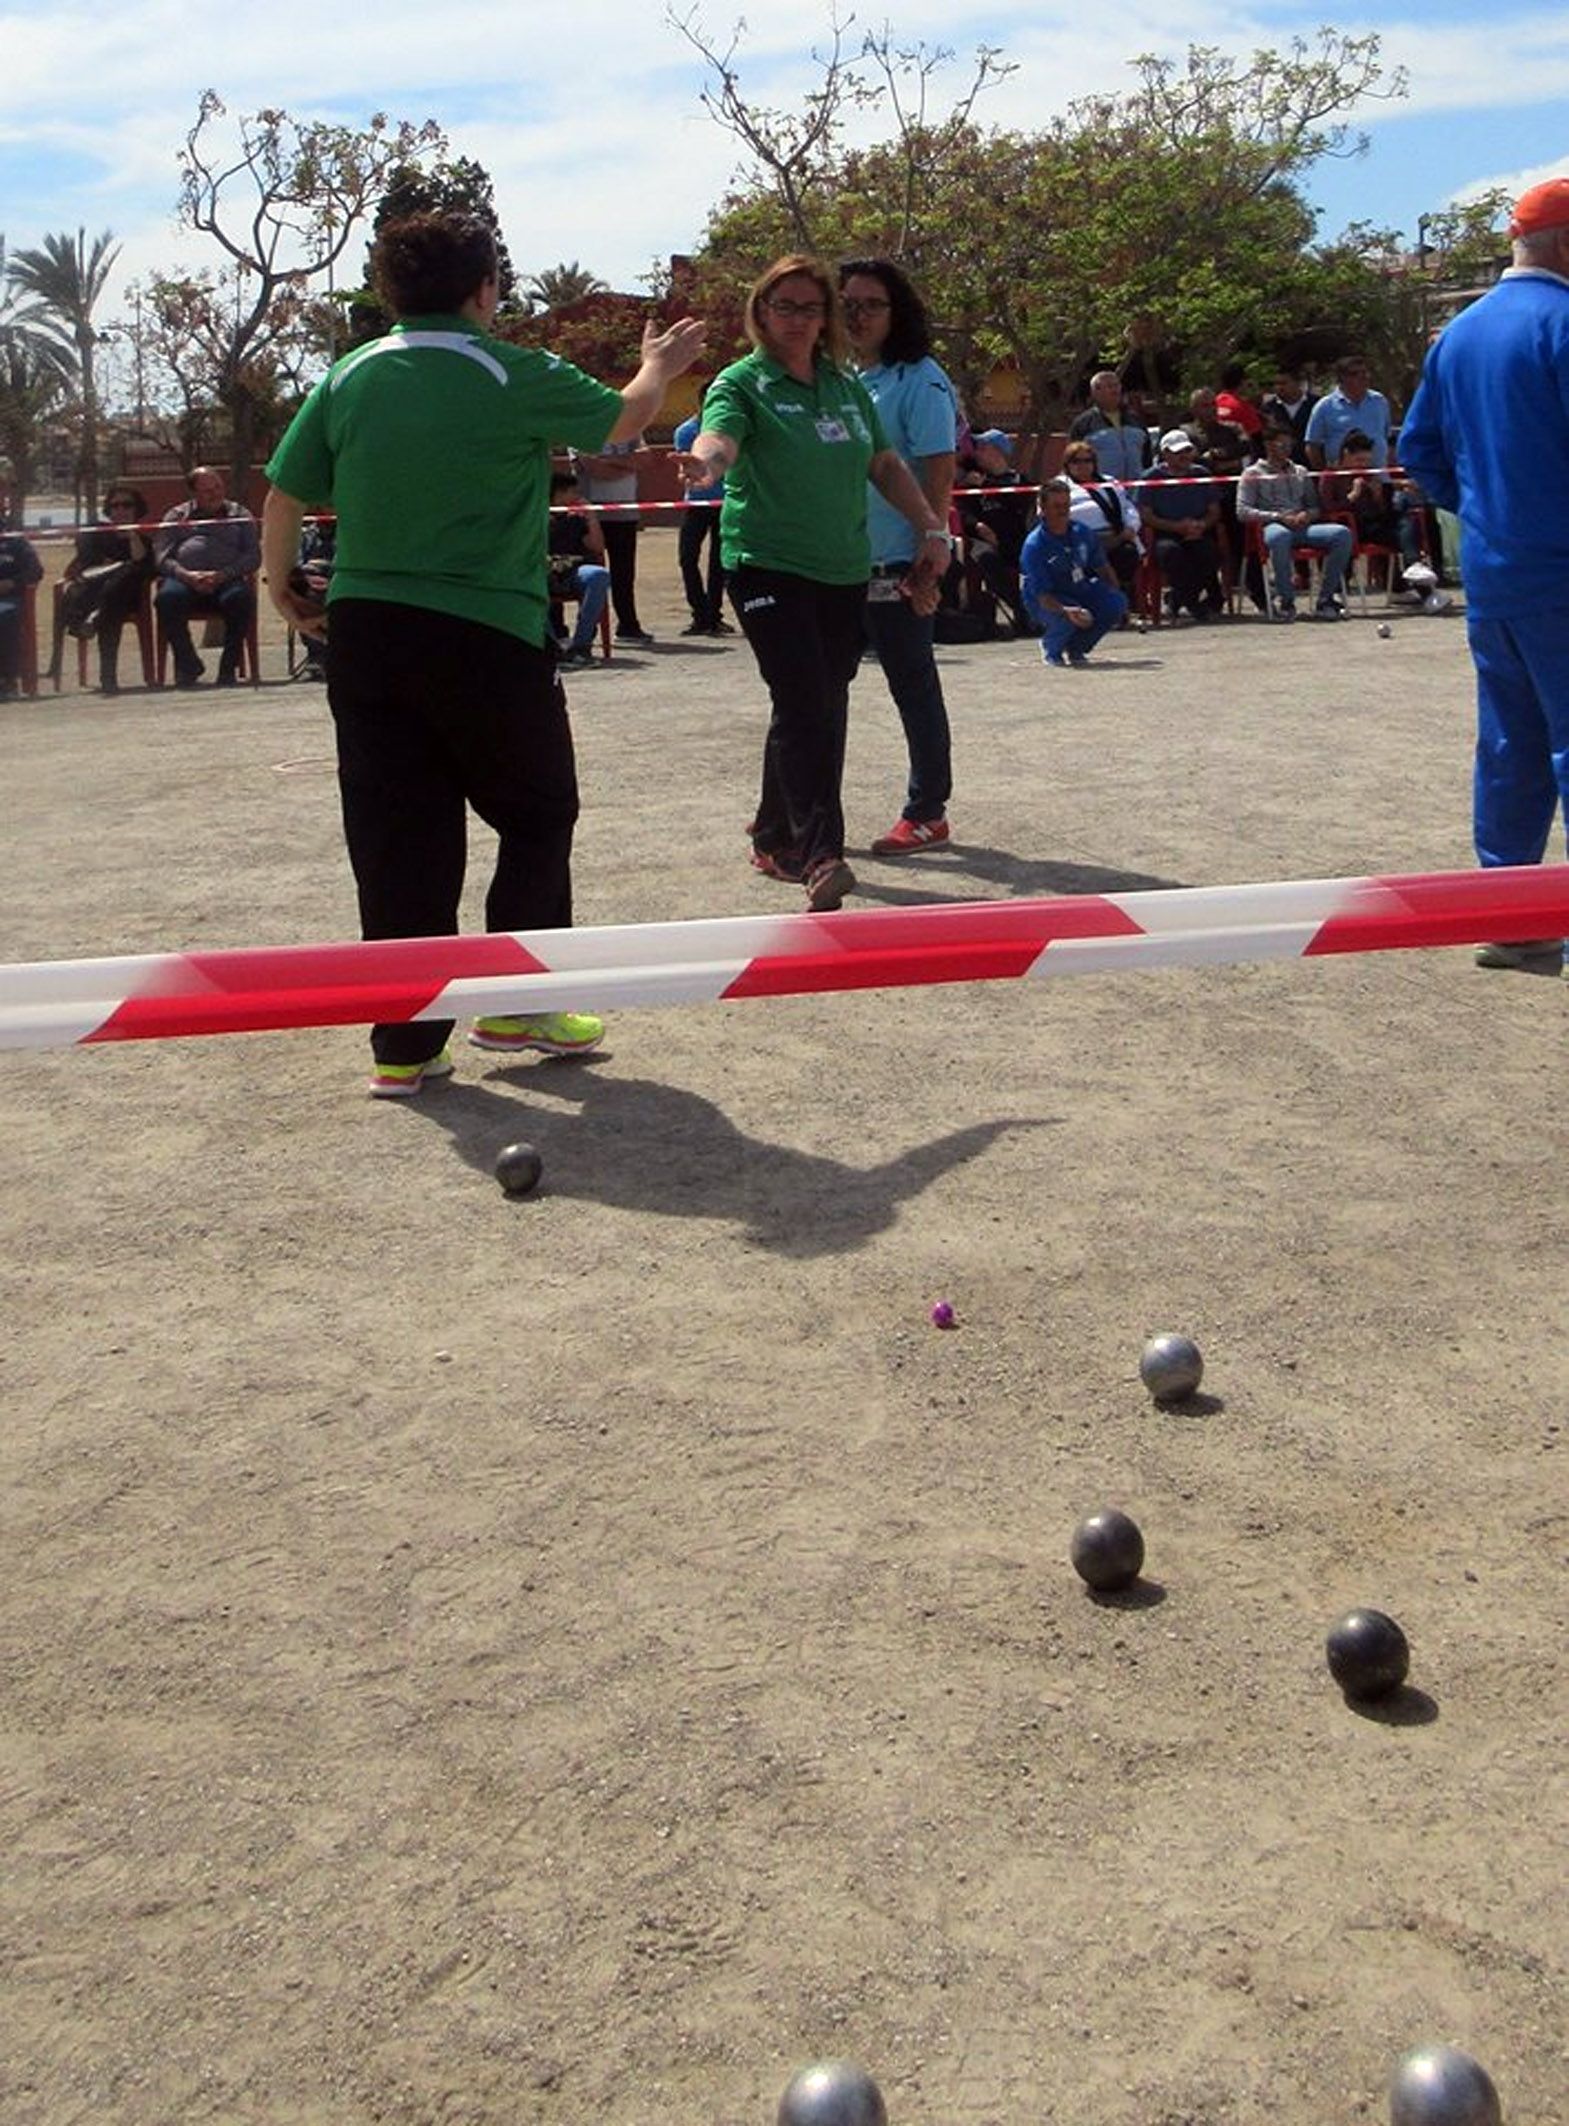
(281, 198)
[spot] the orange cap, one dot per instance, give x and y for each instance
(1545, 206)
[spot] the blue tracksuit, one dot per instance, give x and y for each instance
(1487, 436)
(1067, 568)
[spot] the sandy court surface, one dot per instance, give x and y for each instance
(576, 1659)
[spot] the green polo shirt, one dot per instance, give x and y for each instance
(433, 446)
(795, 498)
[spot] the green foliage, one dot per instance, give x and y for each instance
(38, 371)
(1176, 204)
(461, 186)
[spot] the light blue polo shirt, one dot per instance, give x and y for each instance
(919, 409)
(1335, 417)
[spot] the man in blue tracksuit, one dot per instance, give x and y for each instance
(1066, 581)
(1500, 371)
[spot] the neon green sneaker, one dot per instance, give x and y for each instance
(401, 1081)
(554, 1033)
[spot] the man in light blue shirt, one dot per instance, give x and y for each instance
(919, 410)
(1350, 405)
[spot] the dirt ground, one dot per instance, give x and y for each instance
(569, 1660)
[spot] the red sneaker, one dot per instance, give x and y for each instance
(905, 836)
(779, 863)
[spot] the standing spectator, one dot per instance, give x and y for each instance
(609, 476)
(1509, 354)
(208, 554)
(1107, 510)
(1352, 404)
(105, 579)
(1222, 448)
(433, 445)
(891, 345)
(1120, 440)
(1290, 403)
(1068, 584)
(576, 552)
(995, 511)
(700, 527)
(1279, 497)
(797, 436)
(1233, 404)
(1180, 512)
(20, 569)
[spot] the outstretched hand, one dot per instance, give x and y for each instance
(676, 347)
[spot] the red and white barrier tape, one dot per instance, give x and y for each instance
(60, 1003)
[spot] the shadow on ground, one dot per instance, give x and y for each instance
(645, 1146)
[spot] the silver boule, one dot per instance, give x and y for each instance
(1171, 1366)
(832, 2093)
(1439, 2085)
(1107, 1551)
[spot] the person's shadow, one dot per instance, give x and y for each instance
(644, 1146)
(1019, 877)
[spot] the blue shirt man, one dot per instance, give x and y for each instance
(1349, 406)
(1500, 371)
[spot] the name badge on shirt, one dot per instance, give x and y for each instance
(832, 429)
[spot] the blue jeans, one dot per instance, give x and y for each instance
(902, 638)
(593, 588)
(1333, 542)
(1058, 633)
(1522, 733)
(235, 605)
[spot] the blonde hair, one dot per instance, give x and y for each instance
(831, 341)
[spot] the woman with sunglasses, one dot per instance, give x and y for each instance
(1107, 510)
(796, 437)
(105, 579)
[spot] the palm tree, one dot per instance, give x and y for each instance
(562, 284)
(36, 372)
(66, 277)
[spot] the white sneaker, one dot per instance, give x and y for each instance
(1437, 602)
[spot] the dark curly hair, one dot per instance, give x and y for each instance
(429, 263)
(909, 329)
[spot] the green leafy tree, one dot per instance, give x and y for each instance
(66, 277)
(461, 186)
(282, 198)
(1176, 205)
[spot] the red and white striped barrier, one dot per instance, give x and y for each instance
(54, 1004)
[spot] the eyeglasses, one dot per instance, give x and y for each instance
(119, 502)
(1079, 457)
(782, 306)
(855, 304)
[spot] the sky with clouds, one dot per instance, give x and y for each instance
(587, 115)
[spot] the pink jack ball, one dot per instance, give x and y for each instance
(943, 1316)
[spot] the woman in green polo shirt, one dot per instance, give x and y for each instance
(795, 436)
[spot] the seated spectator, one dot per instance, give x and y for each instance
(104, 579)
(20, 568)
(1068, 586)
(311, 578)
(1113, 427)
(1107, 510)
(995, 513)
(1350, 407)
(1279, 497)
(1289, 402)
(208, 554)
(1383, 510)
(578, 568)
(1180, 511)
